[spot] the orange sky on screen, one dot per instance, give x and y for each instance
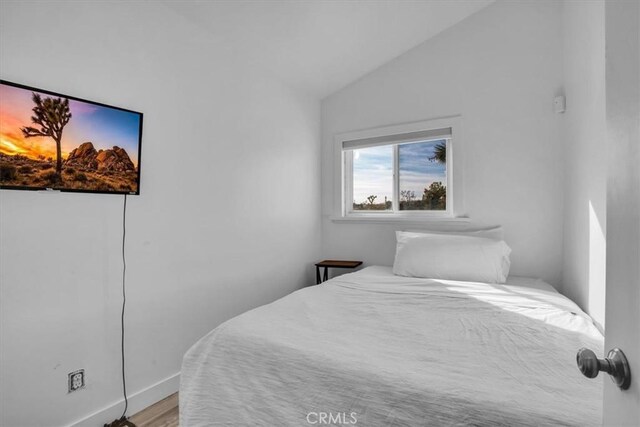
(13, 142)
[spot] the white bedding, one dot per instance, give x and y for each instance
(397, 351)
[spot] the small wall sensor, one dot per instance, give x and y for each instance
(559, 104)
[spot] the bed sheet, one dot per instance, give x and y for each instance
(384, 350)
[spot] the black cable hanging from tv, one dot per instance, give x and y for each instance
(123, 421)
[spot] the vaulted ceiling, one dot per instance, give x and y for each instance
(321, 46)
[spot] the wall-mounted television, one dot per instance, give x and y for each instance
(51, 141)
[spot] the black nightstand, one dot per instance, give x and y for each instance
(333, 263)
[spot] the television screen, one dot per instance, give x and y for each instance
(54, 141)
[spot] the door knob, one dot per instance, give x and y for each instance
(615, 364)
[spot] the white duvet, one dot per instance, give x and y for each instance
(382, 350)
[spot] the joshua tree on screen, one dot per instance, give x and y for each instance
(372, 199)
(51, 115)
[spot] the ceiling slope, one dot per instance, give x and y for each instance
(322, 46)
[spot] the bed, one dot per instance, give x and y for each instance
(375, 349)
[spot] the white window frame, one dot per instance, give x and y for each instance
(343, 185)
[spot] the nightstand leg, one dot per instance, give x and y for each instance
(326, 274)
(318, 281)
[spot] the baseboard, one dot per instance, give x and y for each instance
(137, 402)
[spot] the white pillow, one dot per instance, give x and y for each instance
(493, 233)
(451, 257)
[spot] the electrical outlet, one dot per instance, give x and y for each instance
(76, 380)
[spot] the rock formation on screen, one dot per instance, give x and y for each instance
(84, 156)
(114, 159)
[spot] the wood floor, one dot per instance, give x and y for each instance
(161, 414)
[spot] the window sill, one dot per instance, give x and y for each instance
(399, 219)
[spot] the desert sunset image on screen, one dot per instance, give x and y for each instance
(49, 140)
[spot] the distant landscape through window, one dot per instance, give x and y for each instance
(422, 176)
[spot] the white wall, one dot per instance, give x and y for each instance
(228, 218)
(584, 136)
(500, 70)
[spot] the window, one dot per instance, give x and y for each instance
(373, 178)
(403, 174)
